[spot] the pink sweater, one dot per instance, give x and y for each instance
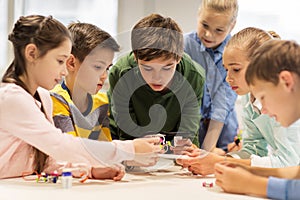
(23, 125)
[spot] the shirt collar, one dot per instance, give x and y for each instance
(255, 105)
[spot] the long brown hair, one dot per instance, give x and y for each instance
(46, 33)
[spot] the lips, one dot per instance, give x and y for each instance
(234, 87)
(157, 86)
(207, 41)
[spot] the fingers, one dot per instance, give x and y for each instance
(196, 152)
(188, 149)
(145, 159)
(219, 183)
(146, 145)
(218, 170)
(151, 140)
(120, 174)
(183, 162)
(184, 142)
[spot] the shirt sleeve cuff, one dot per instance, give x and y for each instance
(240, 154)
(277, 188)
(257, 161)
(233, 155)
(219, 115)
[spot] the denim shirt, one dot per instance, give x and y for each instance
(283, 189)
(218, 102)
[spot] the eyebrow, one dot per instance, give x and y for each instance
(167, 65)
(221, 27)
(64, 56)
(102, 62)
(234, 63)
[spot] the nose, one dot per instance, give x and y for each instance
(156, 76)
(228, 77)
(264, 110)
(104, 75)
(208, 34)
(64, 71)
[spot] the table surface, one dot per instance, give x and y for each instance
(174, 183)
(165, 181)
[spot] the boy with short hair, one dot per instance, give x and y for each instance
(273, 75)
(78, 106)
(156, 87)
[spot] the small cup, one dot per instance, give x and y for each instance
(176, 139)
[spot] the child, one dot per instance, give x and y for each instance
(260, 130)
(156, 87)
(29, 140)
(79, 109)
(273, 75)
(218, 126)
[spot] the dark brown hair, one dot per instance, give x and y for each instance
(156, 36)
(271, 58)
(46, 33)
(87, 36)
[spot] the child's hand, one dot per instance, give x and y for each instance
(202, 162)
(218, 151)
(183, 146)
(236, 145)
(233, 178)
(146, 150)
(115, 172)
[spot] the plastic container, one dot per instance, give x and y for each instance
(66, 179)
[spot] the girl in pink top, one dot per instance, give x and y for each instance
(28, 139)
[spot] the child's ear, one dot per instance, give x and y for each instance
(178, 61)
(31, 52)
(71, 63)
(135, 58)
(287, 78)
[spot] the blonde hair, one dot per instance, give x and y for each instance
(222, 6)
(249, 39)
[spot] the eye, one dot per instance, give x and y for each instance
(236, 70)
(148, 69)
(219, 30)
(167, 68)
(61, 62)
(205, 26)
(98, 67)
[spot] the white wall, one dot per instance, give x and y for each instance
(131, 11)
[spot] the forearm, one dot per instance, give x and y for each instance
(239, 161)
(212, 135)
(258, 186)
(287, 172)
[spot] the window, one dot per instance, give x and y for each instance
(277, 16)
(102, 13)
